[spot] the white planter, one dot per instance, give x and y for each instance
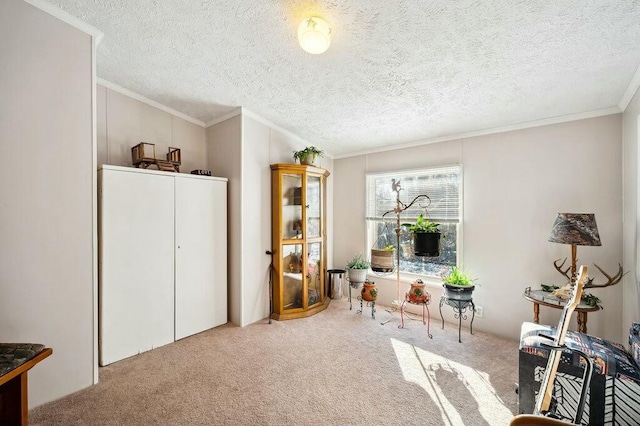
(357, 276)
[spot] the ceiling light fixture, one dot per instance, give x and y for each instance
(314, 35)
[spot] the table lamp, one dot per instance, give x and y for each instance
(577, 229)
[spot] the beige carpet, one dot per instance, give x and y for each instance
(335, 368)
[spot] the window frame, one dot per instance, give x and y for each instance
(391, 218)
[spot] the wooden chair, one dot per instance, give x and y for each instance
(14, 405)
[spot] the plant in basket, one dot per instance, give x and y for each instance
(382, 259)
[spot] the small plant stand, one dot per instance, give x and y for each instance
(459, 311)
(372, 304)
(352, 285)
(425, 307)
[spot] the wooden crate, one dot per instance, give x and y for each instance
(143, 154)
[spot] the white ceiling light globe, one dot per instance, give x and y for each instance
(314, 35)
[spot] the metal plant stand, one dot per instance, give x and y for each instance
(400, 207)
(459, 311)
(372, 304)
(425, 307)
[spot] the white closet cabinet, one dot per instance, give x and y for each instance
(163, 258)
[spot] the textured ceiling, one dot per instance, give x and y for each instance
(397, 71)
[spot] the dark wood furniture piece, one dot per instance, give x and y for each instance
(541, 297)
(16, 359)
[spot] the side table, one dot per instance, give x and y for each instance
(459, 311)
(544, 298)
(425, 307)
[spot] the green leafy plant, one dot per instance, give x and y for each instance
(390, 247)
(457, 277)
(549, 288)
(374, 292)
(358, 263)
(310, 151)
(422, 225)
(592, 300)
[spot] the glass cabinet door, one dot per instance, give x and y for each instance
(314, 207)
(291, 206)
(314, 275)
(292, 276)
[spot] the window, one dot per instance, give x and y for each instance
(442, 186)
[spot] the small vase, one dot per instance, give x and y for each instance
(369, 291)
(417, 294)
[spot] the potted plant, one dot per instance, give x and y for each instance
(357, 269)
(457, 284)
(426, 237)
(417, 294)
(369, 291)
(382, 259)
(308, 155)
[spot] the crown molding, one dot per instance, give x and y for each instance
(270, 124)
(68, 18)
(631, 90)
(150, 102)
(494, 130)
(234, 112)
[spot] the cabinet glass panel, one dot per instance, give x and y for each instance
(314, 269)
(313, 206)
(292, 276)
(291, 206)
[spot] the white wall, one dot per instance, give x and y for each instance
(242, 149)
(46, 187)
(124, 122)
(631, 282)
(256, 220)
(224, 159)
(514, 185)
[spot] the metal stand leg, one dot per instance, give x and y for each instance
(373, 309)
(425, 306)
(350, 305)
(402, 314)
(473, 316)
(459, 311)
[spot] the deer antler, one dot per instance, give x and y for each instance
(559, 268)
(611, 280)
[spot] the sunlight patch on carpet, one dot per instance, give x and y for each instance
(419, 366)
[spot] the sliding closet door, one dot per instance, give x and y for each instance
(201, 254)
(136, 262)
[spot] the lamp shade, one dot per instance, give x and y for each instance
(314, 35)
(575, 229)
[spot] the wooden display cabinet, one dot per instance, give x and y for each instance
(299, 238)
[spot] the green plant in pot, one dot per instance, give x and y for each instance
(357, 269)
(426, 237)
(457, 284)
(308, 155)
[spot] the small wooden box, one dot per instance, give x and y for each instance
(174, 155)
(143, 154)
